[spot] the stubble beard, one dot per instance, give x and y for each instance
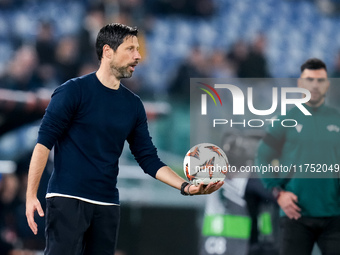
(120, 72)
(317, 100)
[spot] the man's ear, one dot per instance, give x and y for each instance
(107, 51)
(328, 84)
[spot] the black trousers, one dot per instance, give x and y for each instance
(75, 227)
(299, 236)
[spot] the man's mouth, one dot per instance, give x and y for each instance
(132, 66)
(315, 93)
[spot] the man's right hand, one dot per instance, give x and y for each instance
(287, 201)
(32, 205)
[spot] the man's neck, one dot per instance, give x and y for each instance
(107, 79)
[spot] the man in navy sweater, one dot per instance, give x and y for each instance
(87, 121)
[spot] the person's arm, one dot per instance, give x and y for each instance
(168, 176)
(270, 149)
(266, 154)
(145, 154)
(37, 166)
(61, 109)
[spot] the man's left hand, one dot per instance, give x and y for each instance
(204, 189)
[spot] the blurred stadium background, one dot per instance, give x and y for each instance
(44, 42)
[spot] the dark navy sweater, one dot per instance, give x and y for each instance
(88, 124)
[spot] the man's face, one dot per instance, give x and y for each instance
(317, 83)
(125, 58)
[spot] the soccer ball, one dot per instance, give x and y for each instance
(205, 163)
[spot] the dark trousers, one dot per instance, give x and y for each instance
(75, 227)
(298, 236)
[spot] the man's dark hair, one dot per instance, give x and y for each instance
(313, 64)
(113, 35)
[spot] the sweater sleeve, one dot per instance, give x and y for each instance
(59, 114)
(141, 144)
(270, 148)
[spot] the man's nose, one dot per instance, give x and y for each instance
(315, 84)
(137, 56)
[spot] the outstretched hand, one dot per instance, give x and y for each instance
(202, 189)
